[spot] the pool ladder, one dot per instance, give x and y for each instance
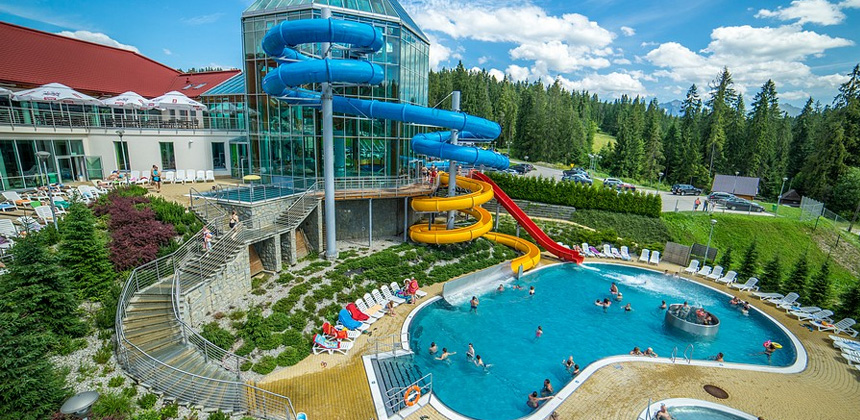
(687, 358)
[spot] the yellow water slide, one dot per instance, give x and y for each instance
(480, 193)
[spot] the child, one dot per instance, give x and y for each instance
(539, 332)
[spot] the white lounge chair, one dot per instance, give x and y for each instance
(97, 185)
(28, 223)
(169, 176)
(704, 271)
(746, 287)
(44, 213)
(768, 296)
(716, 273)
(729, 278)
(201, 176)
(8, 229)
(85, 194)
(693, 267)
(790, 300)
(837, 339)
(843, 326)
(390, 296)
(190, 175)
(210, 175)
(655, 258)
(180, 176)
(823, 315)
(846, 344)
(377, 296)
(625, 253)
(805, 310)
(607, 251)
(852, 357)
(60, 204)
(8, 205)
(615, 253)
(325, 345)
(644, 255)
(586, 249)
(15, 198)
(374, 315)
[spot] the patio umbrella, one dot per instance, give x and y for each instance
(5, 92)
(56, 92)
(129, 100)
(175, 100)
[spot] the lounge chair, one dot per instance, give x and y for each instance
(14, 197)
(210, 175)
(607, 251)
(390, 296)
(596, 253)
(729, 278)
(768, 296)
(190, 175)
(805, 310)
(616, 254)
(324, 345)
(359, 315)
(345, 319)
(625, 253)
(693, 267)
(60, 205)
(716, 273)
(8, 205)
(585, 251)
(704, 271)
(180, 176)
(823, 315)
(655, 258)
(852, 357)
(372, 304)
(8, 229)
(85, 194)
(396, 288)
(380, 300)
(746, 287)
(169, 176)
(788, 299)
(417, 290)
(849, 345)
(843, 326)
(28, 223)
(644, 255)
(200, 176)
(44, 213)
(99, 184)
(837, 339)
(335, 333)
(362, 306)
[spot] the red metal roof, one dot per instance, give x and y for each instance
(30, 58)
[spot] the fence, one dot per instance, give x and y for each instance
(676, 253)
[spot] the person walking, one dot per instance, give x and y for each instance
(207, 239)
(696, 204)
(155, 178)
(234, 219)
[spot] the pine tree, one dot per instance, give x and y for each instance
(726, 260)
(803, 137)
(762, 130)
(849, 305)
(827, 162)
(38, 286)
(818, 289)
(771, 276)
(796, 281)
(84, 252)
(723, 97)
(749, 265)
(848, 108)
(652, 163)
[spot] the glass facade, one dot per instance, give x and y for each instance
(20, 167)
(286, 140)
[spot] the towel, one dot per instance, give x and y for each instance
(323, 342)
(347, 321)
(356, 313)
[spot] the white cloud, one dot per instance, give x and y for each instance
(621, 61)
(202, 19)
(483, 59)
(498, 74)
(98, 38)
(613, 84)
(628, 31)
(517, 73)
(783, 43)
(794, 95)
(850, 4)
(821, 12)
(166, 51)
(558, 56)
(438, 52)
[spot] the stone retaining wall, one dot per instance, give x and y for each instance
(226, 289)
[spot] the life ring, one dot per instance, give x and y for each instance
(411, 396)
(777, 345)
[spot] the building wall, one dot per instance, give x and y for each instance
(353, 222)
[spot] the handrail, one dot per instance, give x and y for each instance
(674, 354)
(690, 358)
(394, 397)
(389, 343)
(138, 362)
(648, 410)
(310, 191)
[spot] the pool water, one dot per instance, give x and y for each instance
(503, 333)
(248, 195)
(701, 413)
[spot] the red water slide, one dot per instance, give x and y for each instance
(523, 219)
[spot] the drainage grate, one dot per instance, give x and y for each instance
(716, 391)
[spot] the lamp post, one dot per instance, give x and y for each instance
(122, 148)
(736, 182)
(779, 199)
(660, 178)
(708, 248)
(43, 158)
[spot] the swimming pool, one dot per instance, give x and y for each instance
(503, 332)
(250, 195)
(693, 409)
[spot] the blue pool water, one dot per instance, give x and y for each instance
(701, 413)
(503, 333)
(247, 195)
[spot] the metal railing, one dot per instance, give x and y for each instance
(235, 396)
(309, 195)
(104, 118)
(395, 398)
(387, 344)
(690, 357)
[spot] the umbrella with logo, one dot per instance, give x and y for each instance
(175, 100)
(129, 100)
(5, 92)
(56, 92)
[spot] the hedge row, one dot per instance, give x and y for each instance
(580, 196)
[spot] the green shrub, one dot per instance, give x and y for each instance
(113, 405)
(147, 401)
(278, 321)
(246, 348)
(271, 342)
(218, 336)
(265, 366)
(285, 278)
(106, 334)
(103, 354)
(67, 345)
(148, 415)
(293, 338)
(299, 321)
(288, 357)
(255, 328)
(116, 381)
(237, 315)
(218, 415)
(246, 365)
(170, 411)
(129, 391)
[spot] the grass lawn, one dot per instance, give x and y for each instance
(600, 140)
(785, 236)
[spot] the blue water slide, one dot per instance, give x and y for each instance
(296, 69)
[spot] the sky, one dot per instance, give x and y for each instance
(610, 47)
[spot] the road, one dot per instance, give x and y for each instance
(670, 202)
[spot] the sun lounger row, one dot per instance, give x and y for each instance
(622, 254)
(850, 350)
(815, 316)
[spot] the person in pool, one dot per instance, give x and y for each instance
(478, 361)
(636, 352)
(627, 308)
(663, 305)
(663, 414)
(501, 288)
(745, 309)
(568, 364)
(718, 357)
(433, 348)
(619, 296)
(650, 352)
(547, 388)
(474, 304)
(539, 332)
(769, 348)
(470, 354)
(445, 354)
(613, 289)
(735, 301)
(534, 400)
(531, 291)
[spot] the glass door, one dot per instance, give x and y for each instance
(74, 168)
(239, 166)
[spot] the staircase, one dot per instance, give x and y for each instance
(395, 375)
(163, 353)
(299, 210)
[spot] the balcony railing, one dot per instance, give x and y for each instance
(35, 117)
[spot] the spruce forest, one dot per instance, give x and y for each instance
(718, 131)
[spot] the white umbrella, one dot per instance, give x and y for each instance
(175, 100)
(127, 100)
(56, 92)
(5, 92)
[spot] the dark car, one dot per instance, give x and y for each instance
(577, 178)
(576, 171)
(625, 187)
(521, 169)
(612, 182)
(685, 189)
(720, 197)
(737, 203)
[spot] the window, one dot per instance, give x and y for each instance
(219, 160)
(121, 151)
(168, 159)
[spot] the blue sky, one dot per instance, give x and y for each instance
(605, 46)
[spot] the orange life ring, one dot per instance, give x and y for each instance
(411, 396)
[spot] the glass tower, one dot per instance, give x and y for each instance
(286, 141)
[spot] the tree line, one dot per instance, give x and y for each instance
(818, 151)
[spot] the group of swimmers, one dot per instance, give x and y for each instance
(470, 354)
(743, 305)
(606, 303)
(545, 393)
(648, 352)
(501, 288)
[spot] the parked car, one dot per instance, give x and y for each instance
(611, 182)
(576, 171)
(720, 197)
(578, 178)
(738, 203)
(522, 168)
(685, 189)
(624, 186)
(511, 171)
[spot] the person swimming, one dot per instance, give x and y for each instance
(534, 400)
(478, 361)
(568, 364)
(627, 308)
(531, 291)
(433, 348)
(539, 332)
(619, 296)
(745, 309)
(501, 288)
(575, 370)
(663, 305)
(649, 352)
(636, 352)
(474, 304)
(445, 354)
(547, 388)
(470, 354)
(613, 289)
(717, 358)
